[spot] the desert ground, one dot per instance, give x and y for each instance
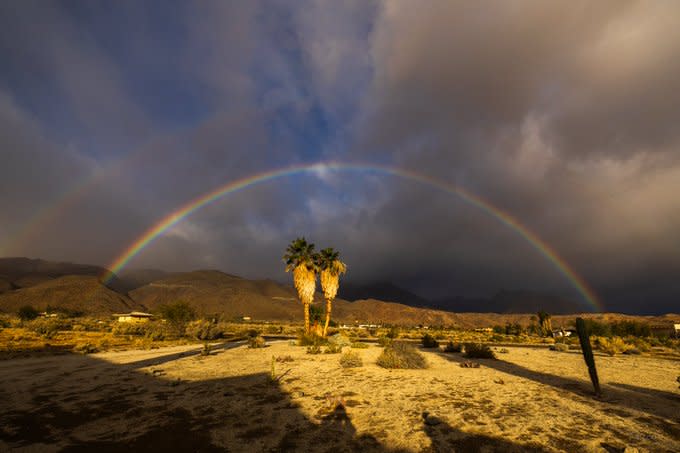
(176, 399)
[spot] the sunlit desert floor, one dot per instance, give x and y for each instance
(174, 399)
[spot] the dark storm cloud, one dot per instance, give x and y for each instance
(562, 114)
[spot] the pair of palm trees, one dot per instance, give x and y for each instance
(305, 263)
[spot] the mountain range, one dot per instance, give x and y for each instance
(77, 288)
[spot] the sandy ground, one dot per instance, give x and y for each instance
(173, 399)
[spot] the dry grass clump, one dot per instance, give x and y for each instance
(153, 330)
(311, 340)
(314, 349)
(202, 329)
(284, 358)
(560, 347)
(351, 359)
(48, 328)
(85, 348)
(611, 346)
(333, 348)
(359, 345)
(640, 343)
(256, 342)
(478, 351)
(401, 355)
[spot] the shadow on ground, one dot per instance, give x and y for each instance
(78, 403)
(663, 408)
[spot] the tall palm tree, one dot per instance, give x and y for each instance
(300, 258)
(331, 268)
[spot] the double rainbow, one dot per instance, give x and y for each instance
(505, 218)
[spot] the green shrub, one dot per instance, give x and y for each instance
(351, 359)
(401, 355)
(27, 313)
(274, 330)
(384, 341)
(92, 325)
(178, 314)
(256, 342)
(203, 330)
(155, 331)
(359, 345)
(392, 333)
(252, 333)
(640, 344)
(429, 341)
(85, 348)
(478, 351)
(130, 328)
(453, 347)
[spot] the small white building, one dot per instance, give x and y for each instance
(134, 317)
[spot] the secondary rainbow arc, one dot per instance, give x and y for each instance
(505, 218)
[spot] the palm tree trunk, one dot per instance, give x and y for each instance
(328, 316)
(306, 308)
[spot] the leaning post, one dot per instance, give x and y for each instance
(584, 338)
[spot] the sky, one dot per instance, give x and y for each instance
(564, 115)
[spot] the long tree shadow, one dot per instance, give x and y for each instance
(78, 403)
(159, 360)
(446, 438)
(661, 405)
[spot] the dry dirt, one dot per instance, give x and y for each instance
(174, 399)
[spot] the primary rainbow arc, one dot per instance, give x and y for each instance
(505, 218)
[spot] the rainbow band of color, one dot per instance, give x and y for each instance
(177, 216)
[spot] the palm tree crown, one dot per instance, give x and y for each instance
(300, 252)
(328, 261)
(301, 259)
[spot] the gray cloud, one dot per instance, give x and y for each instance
(562, 114)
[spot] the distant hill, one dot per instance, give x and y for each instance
(136, 278)
(382, 291)
(520, 301)
(214, 292)
(27, 272)
(79, 293)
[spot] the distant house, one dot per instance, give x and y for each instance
(563, 333)
(666, 329)
(46, 314)
(134, 317)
